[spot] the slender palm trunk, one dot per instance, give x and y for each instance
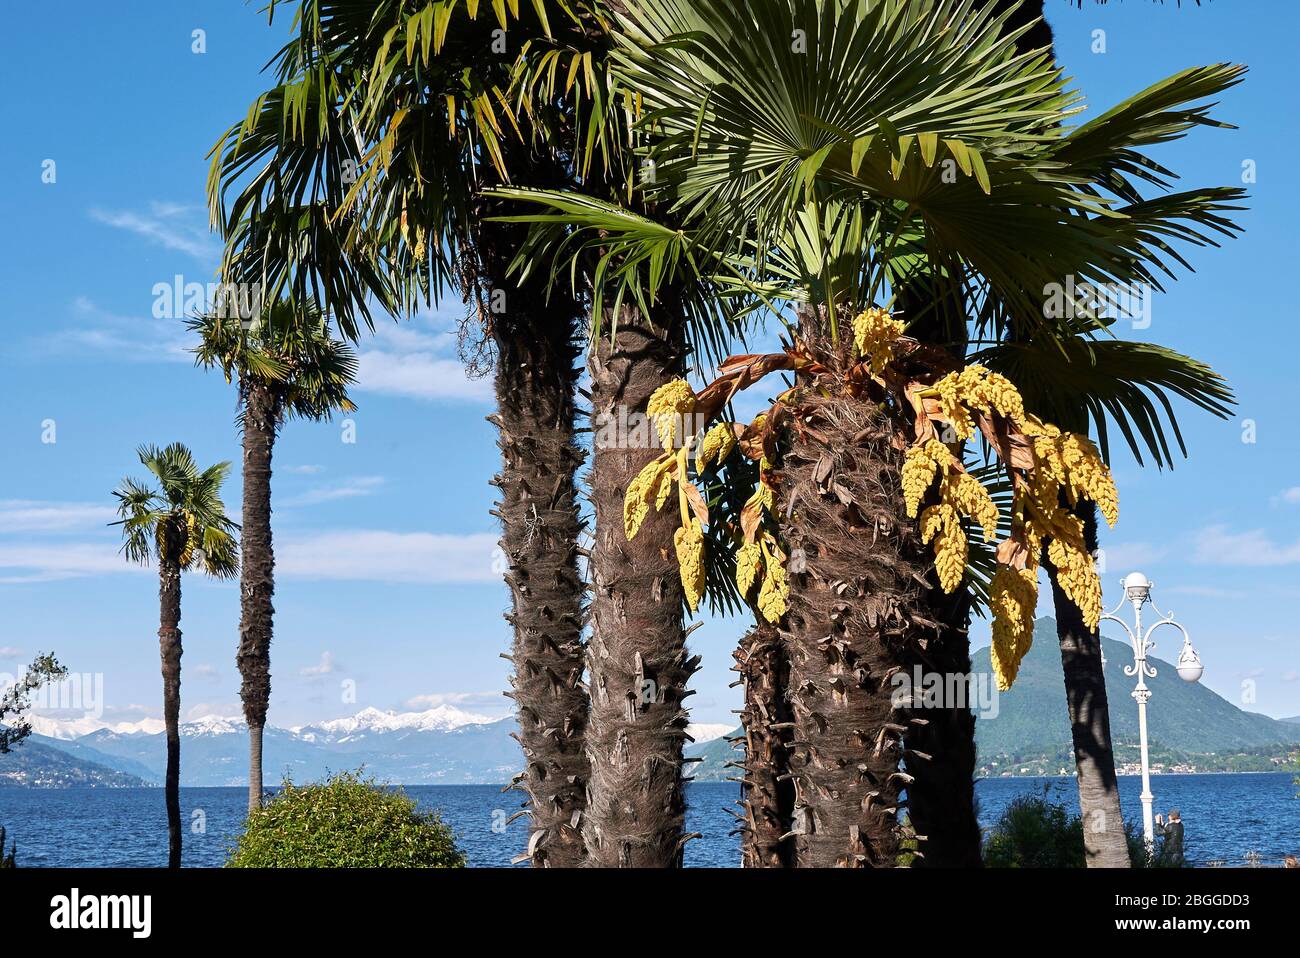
(857, 609)
(767, 788)
(637, 660)
(257, 575)
(169, 646)
(1104, 840)
(940, 742)
(536, 377)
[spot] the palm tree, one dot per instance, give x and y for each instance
(180, 523)
(288, 367)
(378, 193)
(425, 133)
(1116, 385)
(800, 168)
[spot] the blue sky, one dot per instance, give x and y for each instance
(384, 544)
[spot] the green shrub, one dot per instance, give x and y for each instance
(344, 822)
(1034, 832)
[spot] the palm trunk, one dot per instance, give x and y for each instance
(257, 576)
(857, 609)
(941, 753)
(169, 646)
(767, 789)
(536, 377)
(254, 768)
(940, 740)
(1104, 840)
(637, 660)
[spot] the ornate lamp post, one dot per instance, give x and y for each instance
(1137, 590)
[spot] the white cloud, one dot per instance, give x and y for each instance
(167, 224)
(125, 338)
(479, 700)
(1123, 557)
(417, 362)
(347, 489)
(31, 515)
(360, 555)
(1206, 591)
(202, 670)
(303, 470)
(34, 562)
(9, 652)
(1291, 495)
(1217, 545)
(324, 667)
(378, 556)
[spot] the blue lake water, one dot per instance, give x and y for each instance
(1226, 816)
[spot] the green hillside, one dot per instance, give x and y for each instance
(1190, 727)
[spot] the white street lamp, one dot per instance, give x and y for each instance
(1137, 591)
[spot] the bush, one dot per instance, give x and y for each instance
(1035, 832)
(344, 822)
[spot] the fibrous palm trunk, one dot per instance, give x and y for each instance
(536, 377)
(169, 647)
(637, 660)
(257, 575)
(857, 609)
(767, 789)
(940, 741)
(1104, 841)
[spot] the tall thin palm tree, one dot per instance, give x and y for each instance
(288, 367)
(379, 194)
(180, 522)
(1133, 375)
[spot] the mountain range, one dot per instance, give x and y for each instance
(1191, 728)
(441, 746)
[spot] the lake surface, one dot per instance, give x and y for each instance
(1226, 816)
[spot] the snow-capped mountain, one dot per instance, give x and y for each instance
(440, 718)
(442, 745)
(707, 732)
(69, 729)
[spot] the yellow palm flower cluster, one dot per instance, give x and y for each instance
(942, 524)
(874, 335)
(1064, 463)
(1073, 462)
(923, 459)
(1045, 520)
(762, 563)
(688, 540)
(654, 481)
(716, 445)
(667, 407)
(774, 593)
(1014, 597)
(960, 495)
(977, 388)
